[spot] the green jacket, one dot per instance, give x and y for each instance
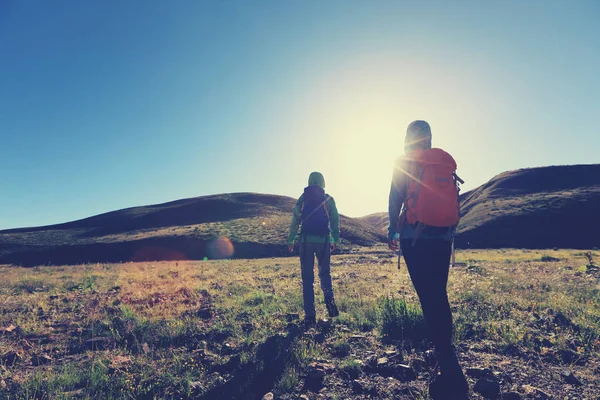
(334, 224)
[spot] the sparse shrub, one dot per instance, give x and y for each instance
(306, 351)
(547, 258)
(288, 381)
(93, 380)
(545, 287)
(87, 284)
(401, 320)
(476, 269)
(238, 289)
(509, 335)
(31, 286)
(359, 314)
(257, 298)
(351, 368)
(340, 349)
(591, 267)
(464, 330)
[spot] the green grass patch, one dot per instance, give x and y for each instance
(401, 320)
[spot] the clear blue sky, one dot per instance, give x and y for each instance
(112, 104)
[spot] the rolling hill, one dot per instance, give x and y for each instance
(542, 207)
(255, 225)
(378, 220)
(534, 208)
(529, 208)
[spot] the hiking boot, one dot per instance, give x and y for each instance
(447, 389)
(332, 309)
(309, 321)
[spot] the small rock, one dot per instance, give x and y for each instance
(228, 348)
(538, 394)
(41, 359)
(10, 358)
(570, 357)
(383, 361)
(2, 384)
(478, 372)
(268, 396)
(404, 373)
(430, 358)
(488, 389)
(8, 329)
(205, 312)
(314, 379)
(511, 396)
(569, 377)
(304, 397)
(324, 325)
(384, 368)
(390, 353)
(358, 386)
(328, 368)
(316, 374)
(357, 337)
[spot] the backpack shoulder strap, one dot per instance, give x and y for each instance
(457, 178)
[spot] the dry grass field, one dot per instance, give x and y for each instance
(526, 323)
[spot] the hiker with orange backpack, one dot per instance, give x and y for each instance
(316, 212)
(423, 215)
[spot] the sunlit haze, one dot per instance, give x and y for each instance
(107, 105)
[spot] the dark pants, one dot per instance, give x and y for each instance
(428, 263)
(307, 262)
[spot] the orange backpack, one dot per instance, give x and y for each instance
(433, 189)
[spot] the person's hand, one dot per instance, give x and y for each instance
(393, 245)
(333, 247)
(291, 247)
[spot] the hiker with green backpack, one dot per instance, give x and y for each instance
(316, 213)
(423, 215)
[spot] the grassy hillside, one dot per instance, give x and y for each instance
(378, 220)
(256, 224)
(526, 324)
(534, 208)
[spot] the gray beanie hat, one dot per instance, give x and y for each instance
(418, 136)
(316, 178)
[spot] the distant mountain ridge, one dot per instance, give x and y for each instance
(256, 224)
(544, 207)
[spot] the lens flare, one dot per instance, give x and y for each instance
(220, 248)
